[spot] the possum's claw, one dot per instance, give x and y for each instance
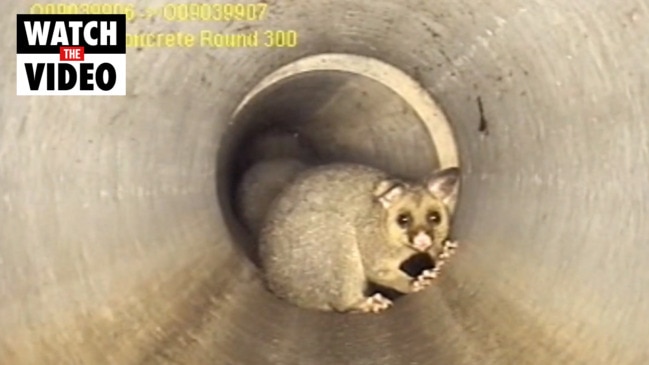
(450, 244)
(375, 304)
(449, 249)
(425, 279)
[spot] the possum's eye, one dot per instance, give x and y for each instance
(403, 220)
(434, 217)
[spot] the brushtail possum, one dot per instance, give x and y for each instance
(338, 227)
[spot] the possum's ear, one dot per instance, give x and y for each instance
(443, 184)
(388, 191)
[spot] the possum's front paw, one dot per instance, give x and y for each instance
(424, 279)
(375, 304)
(448, 249)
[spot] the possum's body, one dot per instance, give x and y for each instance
(312, 241)
(333, 230)
(326, 232)
(259, 187)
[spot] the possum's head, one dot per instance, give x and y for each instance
(418, 215)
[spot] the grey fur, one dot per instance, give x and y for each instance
(326, 235)
(260, 185)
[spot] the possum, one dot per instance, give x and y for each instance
(337, 228)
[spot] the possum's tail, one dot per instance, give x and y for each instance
(274, 160)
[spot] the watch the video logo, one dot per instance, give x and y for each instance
(71, 54)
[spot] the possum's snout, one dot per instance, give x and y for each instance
(422, 241)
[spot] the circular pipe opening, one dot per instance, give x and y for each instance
(347, 108)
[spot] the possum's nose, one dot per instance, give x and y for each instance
(422, 241)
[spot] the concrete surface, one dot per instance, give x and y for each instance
(114, 247)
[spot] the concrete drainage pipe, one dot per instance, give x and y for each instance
(117, 243)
